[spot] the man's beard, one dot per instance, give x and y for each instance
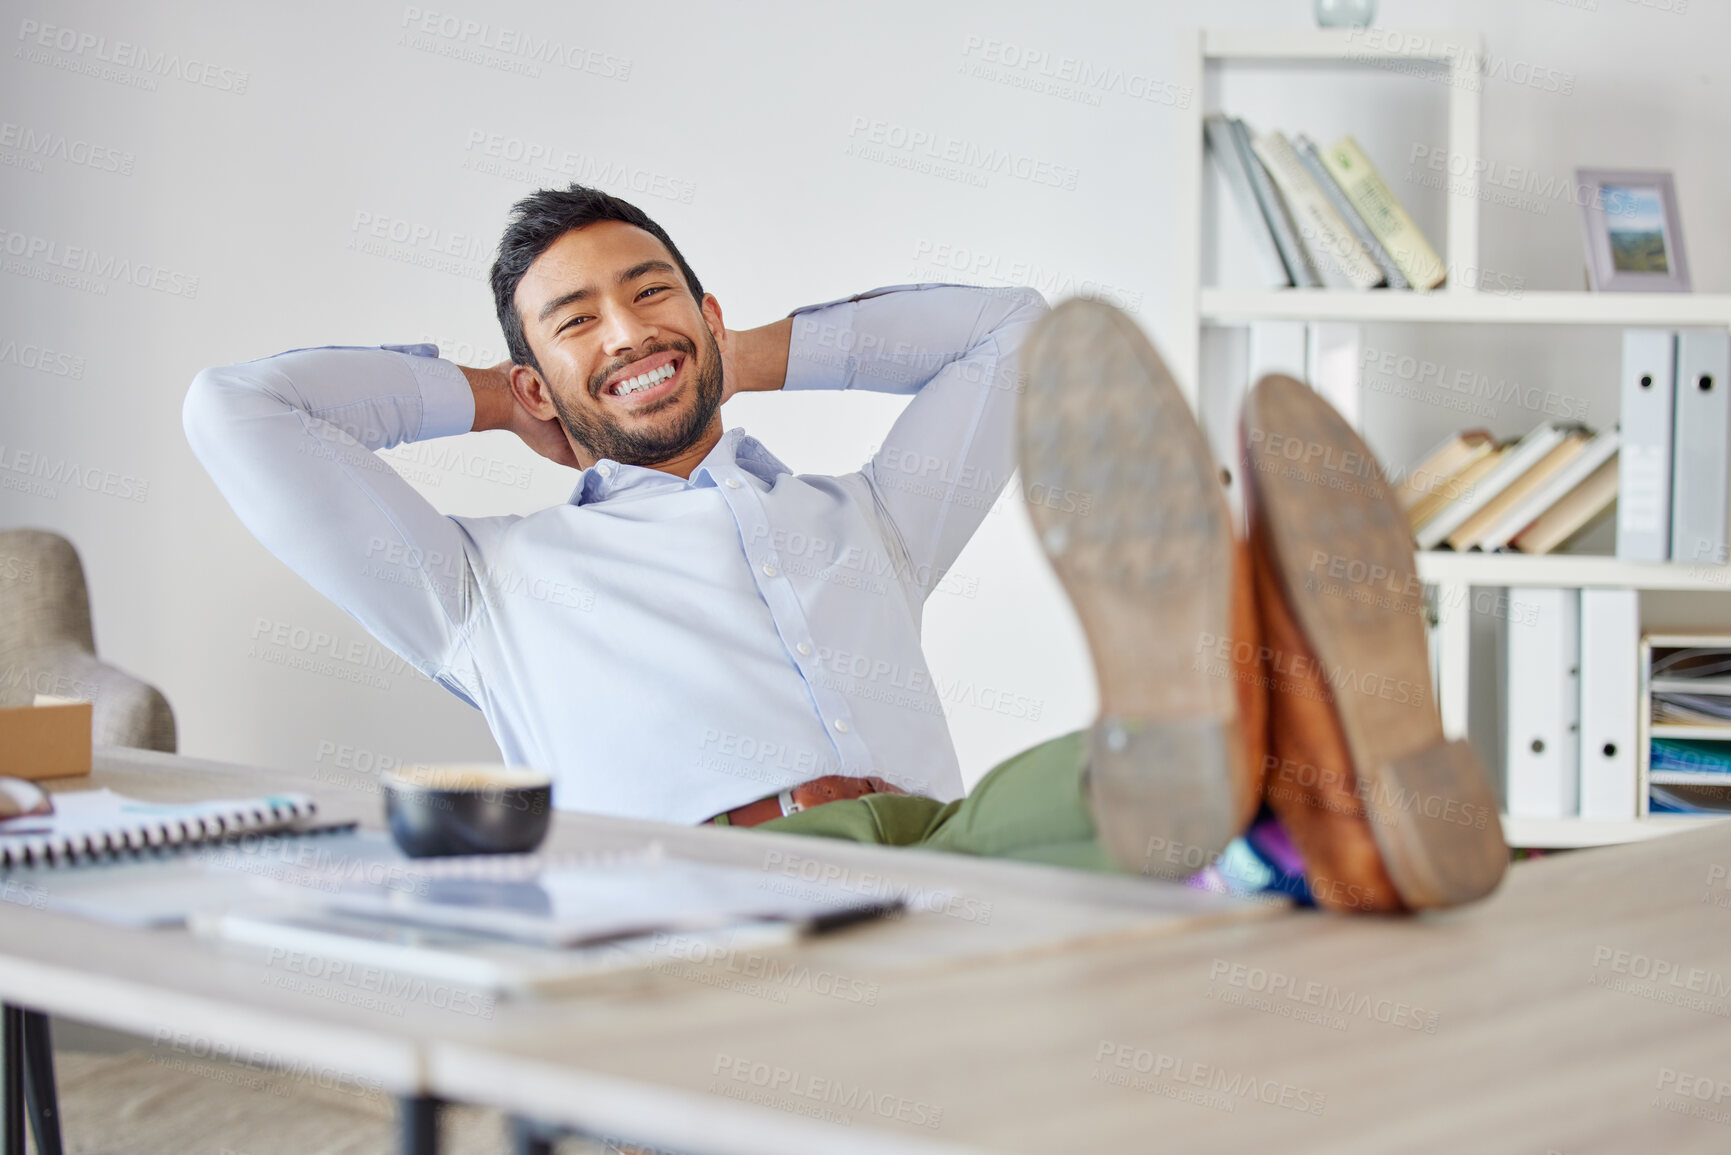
(597, 432)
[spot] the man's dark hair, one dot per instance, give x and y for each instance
(543, 217)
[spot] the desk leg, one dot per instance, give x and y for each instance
(420, 1124)
(14, 1137)
(39, 1089)
(527, 1138)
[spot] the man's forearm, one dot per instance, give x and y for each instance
(758, 357)
(494, 405)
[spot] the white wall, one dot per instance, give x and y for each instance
(738, 119)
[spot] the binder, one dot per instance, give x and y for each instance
(1223, 147)
(1644, 466)
(1542, 675)
(1700, 446)
(1277, 347)
(1331, 360)
(1610, 698)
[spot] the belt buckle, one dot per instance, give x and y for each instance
(788, 805)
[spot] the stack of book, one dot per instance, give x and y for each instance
(1529, 495)
(1320, 219)
(1676, 399)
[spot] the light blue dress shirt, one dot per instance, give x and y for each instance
(664, 648)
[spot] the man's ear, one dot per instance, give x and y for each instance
(712, 317)
(531, 391)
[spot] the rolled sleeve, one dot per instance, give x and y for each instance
(826, 348)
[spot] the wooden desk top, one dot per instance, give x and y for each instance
(183, 992)
(1586, 1007)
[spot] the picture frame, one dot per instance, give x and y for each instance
(1632, 231)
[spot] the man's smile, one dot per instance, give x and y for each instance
(646, 380)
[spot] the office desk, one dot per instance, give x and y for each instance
(168, 984)
(1531, 1023)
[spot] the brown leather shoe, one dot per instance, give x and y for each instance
(1387, 813)
(1126, 500)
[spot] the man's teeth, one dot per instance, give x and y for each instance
(643, 380)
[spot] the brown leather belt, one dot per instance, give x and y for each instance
(831, 788)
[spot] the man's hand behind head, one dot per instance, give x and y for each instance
(497, 407)
(755, 360)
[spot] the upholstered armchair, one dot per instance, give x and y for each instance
(46, 645)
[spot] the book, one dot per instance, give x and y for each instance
(1576, 510)
(1384, 214)
(1297, 260)
(481, 962)
(1594, 454)
(90, 824)
(1701, 448)
(1511, 466)
(1648, 395)
(1312, 160)
(1223, 147)
(1324, 235)
(1462, 485)
(1445, 459)
(1493, 511)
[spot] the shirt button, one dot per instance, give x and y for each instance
(604, 470)
(732, 483)
(804, 650)
(768, 570)
(840, 726)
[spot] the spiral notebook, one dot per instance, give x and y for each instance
(91, 824)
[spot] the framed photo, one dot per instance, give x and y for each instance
(1633, 234)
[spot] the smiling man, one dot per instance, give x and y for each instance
(696, 629)
(699, 634)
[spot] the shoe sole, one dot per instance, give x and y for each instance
(1341, 553)
(1126, 501)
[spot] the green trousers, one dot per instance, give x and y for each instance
(1031, 808)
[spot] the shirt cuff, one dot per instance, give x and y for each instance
(447, 401)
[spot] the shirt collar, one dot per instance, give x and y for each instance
(736, 450)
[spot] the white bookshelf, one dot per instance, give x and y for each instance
(1450, 54)
(1576, 570)
(1663, 310)
(1571, 833)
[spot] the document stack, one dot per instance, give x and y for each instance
(1686, 712)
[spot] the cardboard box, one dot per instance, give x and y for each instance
(49, 740)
